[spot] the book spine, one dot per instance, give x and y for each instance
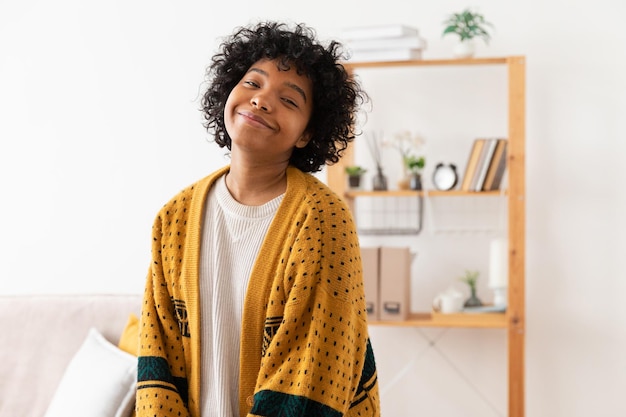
(471, 164)
(498, 155)
(497, 178)
(483, 165)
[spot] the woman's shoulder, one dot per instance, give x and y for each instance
(310, 184)
(316, 192)
(191, 194)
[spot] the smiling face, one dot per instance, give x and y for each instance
(267, 112)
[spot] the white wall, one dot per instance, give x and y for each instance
(99, 127)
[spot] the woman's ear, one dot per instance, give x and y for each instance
(304, 139)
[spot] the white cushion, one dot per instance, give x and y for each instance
(99, 381)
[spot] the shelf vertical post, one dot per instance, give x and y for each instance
(335, 174)
(516, 229)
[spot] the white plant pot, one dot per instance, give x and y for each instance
(464, 49)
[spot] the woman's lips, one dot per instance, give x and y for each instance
(255, 119)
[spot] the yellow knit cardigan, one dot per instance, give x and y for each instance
(305, 349)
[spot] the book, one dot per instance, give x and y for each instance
(378, 31)
(405, 42)
(497, 167)
(472, 162)
(385, 55)
(483, 164)
(497, 181)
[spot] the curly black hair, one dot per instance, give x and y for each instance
(336, 96)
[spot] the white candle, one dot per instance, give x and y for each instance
(498, 263)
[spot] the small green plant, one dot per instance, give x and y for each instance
(414, 163)
(467, 25)
(470, 278)
(355, 170)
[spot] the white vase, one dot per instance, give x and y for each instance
(464, 49)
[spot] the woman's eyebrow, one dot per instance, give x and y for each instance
(297, 89)
(259, 70)
(293, 86)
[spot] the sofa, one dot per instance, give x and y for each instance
(51, 346)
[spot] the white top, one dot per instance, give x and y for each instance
(231, 239)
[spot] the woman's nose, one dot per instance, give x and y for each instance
(261, 102)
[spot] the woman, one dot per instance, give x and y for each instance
(254, 302)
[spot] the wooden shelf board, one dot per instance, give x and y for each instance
(390, 193)
(429, 193)
(430, 62)
(484, 320)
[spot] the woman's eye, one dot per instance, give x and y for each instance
(251, 83)
(290, 102)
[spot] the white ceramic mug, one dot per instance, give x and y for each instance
(448, 302)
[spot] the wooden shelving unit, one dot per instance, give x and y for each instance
(514, 318)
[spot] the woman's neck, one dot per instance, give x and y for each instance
(256, 185)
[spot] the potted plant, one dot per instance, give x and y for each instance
(467, 25)
(415, 164)
(470, 278)
(354, 175)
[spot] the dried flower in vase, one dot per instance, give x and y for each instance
(374, 142)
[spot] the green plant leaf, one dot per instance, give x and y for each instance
(355, 170)
(467, 25)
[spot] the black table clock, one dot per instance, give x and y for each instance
(445, 176)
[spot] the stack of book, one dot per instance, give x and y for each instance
(486, 165)
(383, 43)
